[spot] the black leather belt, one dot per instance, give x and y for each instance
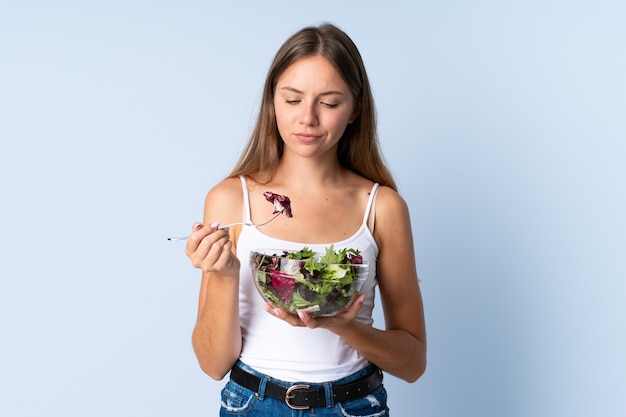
(302, 396)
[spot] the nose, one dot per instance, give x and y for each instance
(309, 115)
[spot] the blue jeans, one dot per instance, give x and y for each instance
(240, 401)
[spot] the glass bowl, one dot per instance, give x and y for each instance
(311, 285)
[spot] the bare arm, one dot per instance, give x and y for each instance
(216, 336)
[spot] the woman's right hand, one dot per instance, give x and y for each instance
(211, 250)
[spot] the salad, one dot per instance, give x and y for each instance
(303, 280)
(281, 202)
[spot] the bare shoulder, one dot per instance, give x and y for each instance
(392, 222)
(389, 203)
(229, 187)
(224, 201)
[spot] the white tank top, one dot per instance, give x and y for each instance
(299, 354)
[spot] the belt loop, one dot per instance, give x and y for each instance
(262, 385)
(330, 397)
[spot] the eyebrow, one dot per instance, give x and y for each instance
(326, 93)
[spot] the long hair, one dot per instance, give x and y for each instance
(358, 148)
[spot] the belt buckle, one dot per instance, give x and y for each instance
(288, 397)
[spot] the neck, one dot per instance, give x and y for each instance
(309, 172)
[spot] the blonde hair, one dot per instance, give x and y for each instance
(358, 148)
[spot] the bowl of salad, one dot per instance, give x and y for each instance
(322, 284)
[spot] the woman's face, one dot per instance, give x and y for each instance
(313, 106)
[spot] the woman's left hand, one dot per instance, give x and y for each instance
(304, 319)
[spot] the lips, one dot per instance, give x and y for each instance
(307, 137)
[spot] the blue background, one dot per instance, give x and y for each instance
(503, 123)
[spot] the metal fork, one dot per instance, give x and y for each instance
(236, 223)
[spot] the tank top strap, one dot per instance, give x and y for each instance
(246, 200)
(370, 209)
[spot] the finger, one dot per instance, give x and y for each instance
(355, 306)
(212, 248)
(206, 251)
(283, 315)
(199, 232)
(198, 244)
(307, 319)
(226, 258)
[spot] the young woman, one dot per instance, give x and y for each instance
(315, 142)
